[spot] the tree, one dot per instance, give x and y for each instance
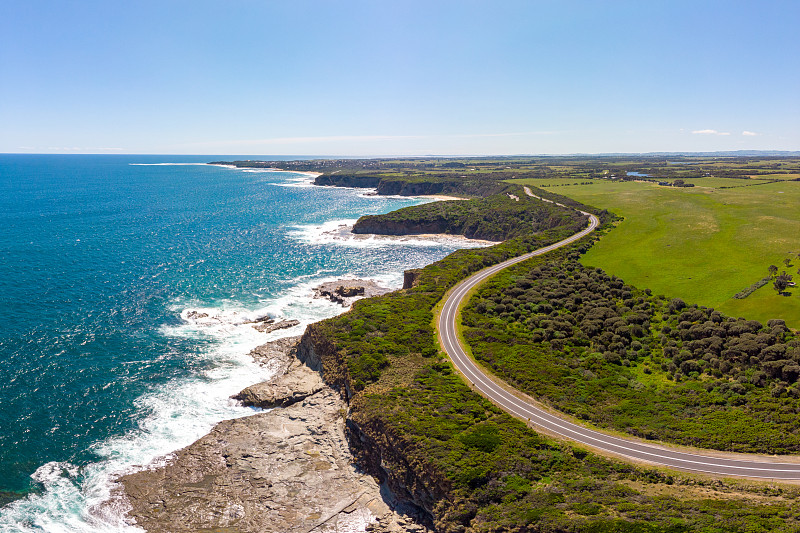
(773, 270)
(677, 183)
(782, 282)
(787, 262)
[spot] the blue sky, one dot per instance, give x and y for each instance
(398, 78)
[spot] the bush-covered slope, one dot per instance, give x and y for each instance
(496, 218)
(594, 347)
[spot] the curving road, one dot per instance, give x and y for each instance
(744, 466)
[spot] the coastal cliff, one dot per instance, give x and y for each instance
(391, 406)
(377, 447)
(412, 185)
(286, 470)
(402, 415)
(377, 226)
(407, 419)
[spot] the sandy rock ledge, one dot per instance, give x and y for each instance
(285, 470)
(296, 385)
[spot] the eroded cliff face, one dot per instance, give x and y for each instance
(344, 180)
(411, 278)
(383, 186)
(376, 447)
(378, 226)
(382, 454)
(318, 352)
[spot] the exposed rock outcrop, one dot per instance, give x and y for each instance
(270, 326)
(296, 385)
(277, 355)
(411, 278)
(345, 291)
(286, 470)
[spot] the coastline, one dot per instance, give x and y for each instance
(340, 232)
(254, 472)
(192, 492)
(183, 411)
(286, 469)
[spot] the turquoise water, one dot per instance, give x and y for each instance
(101, 258)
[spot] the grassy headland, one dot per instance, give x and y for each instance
(496, 218)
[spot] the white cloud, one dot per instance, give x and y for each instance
(749, 133)
(710, 132)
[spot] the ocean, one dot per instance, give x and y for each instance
(102, 258)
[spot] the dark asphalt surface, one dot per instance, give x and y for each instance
(696, 462)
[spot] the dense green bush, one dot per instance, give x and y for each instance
(604, 351)
(496, 218)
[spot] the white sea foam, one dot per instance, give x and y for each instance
(340, 232)
(373, 193)
(301, 180)
(81, 500)
(87, 500)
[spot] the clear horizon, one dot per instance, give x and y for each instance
(789, 153)
(406, 79)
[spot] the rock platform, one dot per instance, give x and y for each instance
(284, 470)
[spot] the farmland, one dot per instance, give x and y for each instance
(704, 244)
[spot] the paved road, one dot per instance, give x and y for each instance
(743, 466)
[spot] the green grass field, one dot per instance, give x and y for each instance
(703, 244)
(698, 182)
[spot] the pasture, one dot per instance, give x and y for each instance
(703, 244)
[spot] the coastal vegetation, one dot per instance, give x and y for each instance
(496, 218)
(603, 351)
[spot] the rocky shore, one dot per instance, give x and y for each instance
(346, 291)
(284, 470)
